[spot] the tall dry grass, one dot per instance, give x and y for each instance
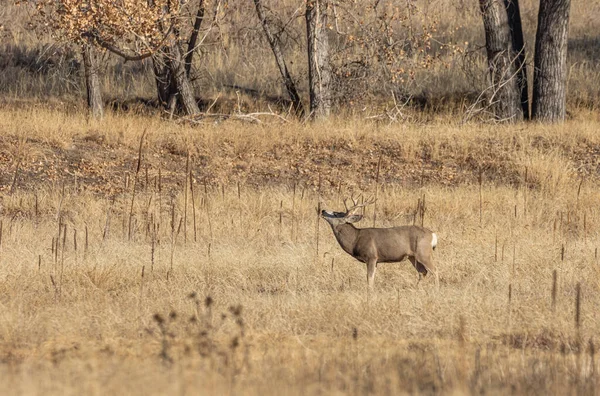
(257, 297)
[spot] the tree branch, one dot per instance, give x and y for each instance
(94, 37)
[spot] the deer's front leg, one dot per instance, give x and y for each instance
(371, 267)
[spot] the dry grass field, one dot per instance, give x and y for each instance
(119, 276)
(235, 285)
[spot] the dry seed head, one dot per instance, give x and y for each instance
(236, 310)
(158, 319)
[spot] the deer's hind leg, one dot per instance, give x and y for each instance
(421, 270)
(424, 258)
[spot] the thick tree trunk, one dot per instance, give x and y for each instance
(518, 44)
(505, 97)
(92, 81)
(165, 86)
(185, 92)
(319, 69)
(550, 63)
(281, 64)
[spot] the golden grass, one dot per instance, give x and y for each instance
(84, 320)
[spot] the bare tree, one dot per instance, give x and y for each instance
(290, 85)
(550, 63)
(319, 68)
(92, 81)
(505, 96)
(506, 59)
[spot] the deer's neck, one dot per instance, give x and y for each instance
(346, 235)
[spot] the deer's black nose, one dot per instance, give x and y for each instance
(327, 213)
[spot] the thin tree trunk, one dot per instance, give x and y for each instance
(505, 99)
(319, 69)
(92, 81)
(279, 58)
(550, 63)
(185, 92)
(194, 38)
(518, 44)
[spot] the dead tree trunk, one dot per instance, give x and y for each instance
(518, 44)
(279, 58)
(319, 69)
(92, 81)
(505, 96)
(550, 63)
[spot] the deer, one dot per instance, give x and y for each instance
(382, 245)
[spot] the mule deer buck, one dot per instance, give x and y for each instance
(382, 245)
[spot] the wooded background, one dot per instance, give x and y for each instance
(379, 55)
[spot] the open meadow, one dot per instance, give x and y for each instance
(147, 253)
(117, 281)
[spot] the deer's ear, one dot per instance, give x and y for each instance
(353, 218)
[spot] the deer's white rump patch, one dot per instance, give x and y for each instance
(433, 240)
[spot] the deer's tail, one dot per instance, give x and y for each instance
(433, 240)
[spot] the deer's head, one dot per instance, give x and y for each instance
(338, 218)
(349, 216)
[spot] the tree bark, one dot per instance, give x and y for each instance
(550, 61)
(505, 99)
(279, 58)
(319, 69)
(165, 86)
(185, 92)
(92, 81)
(518, 44)
(194, 37)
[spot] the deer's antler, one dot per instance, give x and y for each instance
(357, 205)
